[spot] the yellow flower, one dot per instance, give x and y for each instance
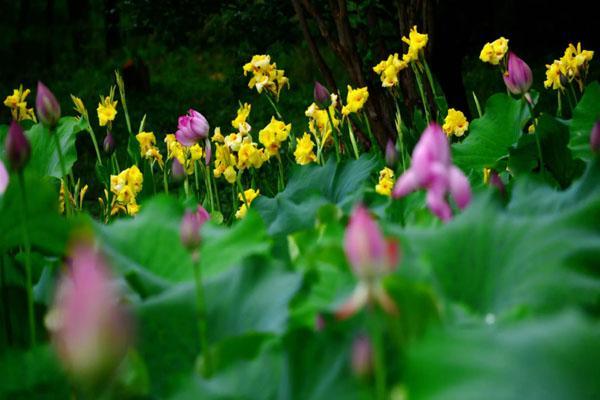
(250, 156)
(355, 100)
(494, 52)
(455, 123)
(386, 182)
(389, 69)
(250, 195)
(230, 174)
(146, 141)
(233, 141)
(79, 106)
(553, 76)
(265, 75)
(416, 42)
(107, 109)
(574, 63)
(217, 136)
(272, 135)
(486, 175)
(196, 152)
(239, 122)
(18, 105)
(126, 186)
(304, 153)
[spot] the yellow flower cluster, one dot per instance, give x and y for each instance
(355, 100)
(389, 69)
(416, 42)
(237, 151)
(265, 75)
(79, 107)
(125, 187)
(572, 66)
(319, 124)
(304, 153)
(107, 108)
(148, 148)
(273, 135)
(72, 202)
(250, 195)
(186, 156)
(386, 182)
(495, 51)
(455, 123)
(18, 105)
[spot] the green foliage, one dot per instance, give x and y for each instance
(585, 115)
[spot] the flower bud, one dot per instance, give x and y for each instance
(91, 329)
(391, 155)
(109, 143)
(191, 128)
(496, 181)
(3, 178)
(177, 171)
(18, 149)
(518, 77)
(369, 253)
(46, 106)
(191, 223)
(362, 356)
(595, 138)
(207, 151)
(321, 95)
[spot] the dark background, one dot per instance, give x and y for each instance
(187, 53)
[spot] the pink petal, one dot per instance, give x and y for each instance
(459, 186)
(406, 184)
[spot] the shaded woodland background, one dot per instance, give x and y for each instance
(177, 54)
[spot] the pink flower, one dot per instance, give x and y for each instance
(46, 106)
(371, 258)
(595, 138)
(191, 223)
(3, 178)
(362, 356)
(91, 329)
(321, 95)
(518, 77)
(432, 170)
(191, 128)
(18, 149)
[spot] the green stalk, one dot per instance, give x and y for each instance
(537, 136)
(429, 78)
(28, 279)
(121, 86)
(379, 362)
(274, 106)
(201, 313)
(477, 105)
(281, 182)
(63, 170)
(186, 186)
(353, 140)
(400, 136)
(152, 175)
(165, 182)
(559, 109)
(238, 179)
(369, 132)
(216, 192)
(93, 136)
(422, 92)
(335, 136)
(196, 178)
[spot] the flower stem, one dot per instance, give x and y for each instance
(430, 78)
(537, 136)
(281, 182)
(335, 136)
(201, 313)
(274, 106)
(422, 93)
(94, 141)
(216, 192)
(369, 131)
(63, 169)
(165, 182)
(29, 285)
(477, 105)
(379, 363)
(353, 140)
(241, 189)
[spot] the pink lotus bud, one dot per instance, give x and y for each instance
(370, 255)
(46, 106)
(207, 151)
(191, 223)
(518, 77)
(18, 149)
(109, 143)
(362, 357)
(91, 329)
(391, 155)
(496, 181)
(177, 171)
(321, 95)
(3, 178)
(191, 128)
(432, 170)
(595, 138)
(319, 323)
